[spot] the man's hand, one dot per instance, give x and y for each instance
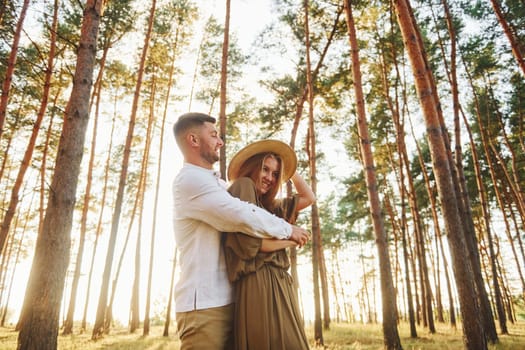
(299, 235)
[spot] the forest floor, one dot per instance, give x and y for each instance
(341, 336)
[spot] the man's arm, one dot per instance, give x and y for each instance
(207, 201)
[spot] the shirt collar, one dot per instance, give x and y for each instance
(213, 172)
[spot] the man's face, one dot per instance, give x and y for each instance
(210, 143)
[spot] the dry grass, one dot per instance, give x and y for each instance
(339, 337)
(370, 337)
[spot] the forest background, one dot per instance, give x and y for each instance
(157, 60)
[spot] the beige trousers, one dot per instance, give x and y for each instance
(206, 329)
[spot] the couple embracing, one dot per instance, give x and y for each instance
(234, 290)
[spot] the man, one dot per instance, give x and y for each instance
(202, 209)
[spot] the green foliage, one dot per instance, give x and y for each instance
(173, 23)
(480, 55)
(68, 31)
(353, 209)
(118, 19)
(286, 91)
(8, 17)
(336, 230)
(516, 122)
(210, 61)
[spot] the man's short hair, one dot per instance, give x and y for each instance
(189, 120)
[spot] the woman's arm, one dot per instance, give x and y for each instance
(306, 195)
(272, 245)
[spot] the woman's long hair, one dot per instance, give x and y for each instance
(253, 166)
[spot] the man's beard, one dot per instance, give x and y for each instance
(210, 156)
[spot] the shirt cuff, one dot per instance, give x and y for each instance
(288, 231)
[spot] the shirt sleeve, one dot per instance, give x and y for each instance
(203, 198)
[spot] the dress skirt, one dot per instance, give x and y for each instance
(266, 312)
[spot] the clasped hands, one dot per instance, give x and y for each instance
(299, 235)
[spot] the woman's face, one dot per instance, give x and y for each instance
(268, 176)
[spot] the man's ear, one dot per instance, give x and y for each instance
(192, 139)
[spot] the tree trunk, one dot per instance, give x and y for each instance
(474, 337)
(98, 230)
(411, 316)
(316, 232)
(11, 62)
(5, 151)
(17, 259)
(348, 314)
(333, 285)
(99, 326)
(514, 42)
(298, 115)
(68, 325)
(506, 297)
(511, 239)
(83, 323)
(28, 155)
(108, 318)
(155, 206)
(95, 99)
(390, 332)
(460, 187)
(402, 228)
(404, 166)
(437, 228)
(436, 271)
(486, 213)
(6, 258)
(43, 166)
(487, 222)
(135, 289)
(224, 80)
(39, 318)
(135, 319)
(170, 296)
(323, 277)
(513, 181)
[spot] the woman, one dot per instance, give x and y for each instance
(267, 314)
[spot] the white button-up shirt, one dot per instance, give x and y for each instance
(202, 209)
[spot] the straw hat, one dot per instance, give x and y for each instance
(280, 148)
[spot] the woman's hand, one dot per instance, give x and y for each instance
(306, 195)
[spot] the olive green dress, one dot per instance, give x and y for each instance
(267, 314)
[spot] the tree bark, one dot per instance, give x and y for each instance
(485, 141)
(28, 155)
(17, 259)
(135, 298)
(11, 62)
(99, 326)
(390, 332)
(223, 98)
(301, 99)
(316, 233)
(461, 190)
(40, 314)
(170, 296)
(155, 206)
(474, 337)
(68, 325)
(98, 230)
(514, 45)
